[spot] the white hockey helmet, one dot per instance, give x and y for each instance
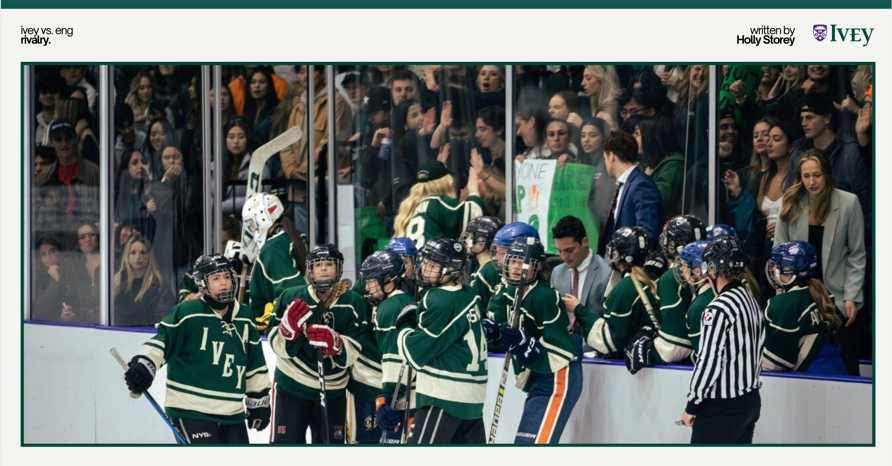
(259, 214)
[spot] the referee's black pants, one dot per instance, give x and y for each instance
(727, 421)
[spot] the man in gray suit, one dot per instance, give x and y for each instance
(583, 273)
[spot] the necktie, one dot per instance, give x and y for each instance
(575, 282)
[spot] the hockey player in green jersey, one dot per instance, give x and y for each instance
(545, 356)
(385, 290)
(689, 265)
(671, 342)
(274, 251)
(447, 350)
(624, 312)
(321, 320)
(431, 209)
(501, 242)
(215, 365)
(477, 240)
(801, 318)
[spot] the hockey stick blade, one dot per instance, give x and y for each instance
(263, 154)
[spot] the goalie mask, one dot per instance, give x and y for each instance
(204, 272)
(792, 263)
(259, 214)
(324, 278)
(523, 261)
(441, 261)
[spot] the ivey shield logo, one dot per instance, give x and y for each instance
(820, 31)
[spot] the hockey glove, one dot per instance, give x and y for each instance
(638, 353)
(140, 373)
(257, 405)
(294, 319)
(325, 339)
(655, 265)
(491, 331)
(408, 317)
(387, 418)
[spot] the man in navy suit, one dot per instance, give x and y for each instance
(637, 201)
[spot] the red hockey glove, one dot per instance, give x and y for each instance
(327, 340)
(294, 319)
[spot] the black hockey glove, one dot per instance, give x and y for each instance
(408, 317)
(638, 353)
(655, 265)
(140, 373)
(257, 405)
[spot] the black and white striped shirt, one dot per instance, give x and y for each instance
(731, 342)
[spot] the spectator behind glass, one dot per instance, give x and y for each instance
(530, 121)
(44, 165)
(141, 296)
(49, 92)
(842, 151)
(227, 111)
(51, 283)
(132, 181)
(141, 100)
(489, 157)
(80, 177)
(490, 89)
(172, 204)
(601, 85)
(742, 189)
(831, 221)
(591, 144)
(74, 76)
(403, 87)
(557, 139)
(125, 134)
(161, 134)
(260, 103)
(662, 160)
(562, 106)
(637, 200)
(85, 291)
(75, 111)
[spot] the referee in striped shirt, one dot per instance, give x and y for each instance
(723, 402)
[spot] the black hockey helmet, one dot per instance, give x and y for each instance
(383, 267)
(208, 265)
(678, 232)
(628, 246)
(531, 252)
(723, 256)
(448, 253)
(324, 253)
(480, 230)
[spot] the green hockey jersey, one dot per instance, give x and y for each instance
(211, 362)
(296, 360)
(624, 314)
(442, 215)
(542, 315)
(273, 272)
(384, 317)
(448, 352)
(794, 333)
(484, 282)
(672, 342)
(695, 312)
(188, 288)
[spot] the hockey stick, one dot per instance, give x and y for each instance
(406, 431)
(323, 405)
(176, 433)
(515, 321)
(396, 392)
(644, 300)
(258, 161)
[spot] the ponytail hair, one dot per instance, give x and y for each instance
(638, 273)
(822, 299)
(419, 191)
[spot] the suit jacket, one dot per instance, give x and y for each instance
(593, 287)
(843, 254)
(640, 205)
